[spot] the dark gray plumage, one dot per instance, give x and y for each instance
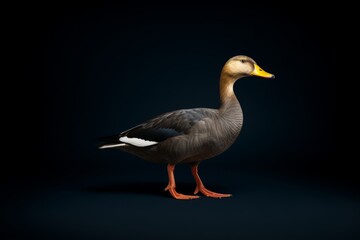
(191, 135)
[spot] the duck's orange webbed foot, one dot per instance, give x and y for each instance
(208, 193)
(180, 196)
(201, 188)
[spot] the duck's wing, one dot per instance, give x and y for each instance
(168, 125)
(162, 127)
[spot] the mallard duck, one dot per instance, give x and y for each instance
(191, 135)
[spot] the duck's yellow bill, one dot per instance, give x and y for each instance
(261, 73)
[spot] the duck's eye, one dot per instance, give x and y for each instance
(243, 61)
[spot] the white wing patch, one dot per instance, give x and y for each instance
(138, 142)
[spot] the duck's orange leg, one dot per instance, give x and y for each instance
(171, 186)
(200, 186)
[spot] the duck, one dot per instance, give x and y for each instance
(189, 136)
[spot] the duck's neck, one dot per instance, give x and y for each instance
(227, 95)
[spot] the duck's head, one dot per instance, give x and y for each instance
(242, 66)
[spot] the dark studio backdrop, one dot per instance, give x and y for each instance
(89, 71)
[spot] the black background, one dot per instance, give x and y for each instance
(86, 71)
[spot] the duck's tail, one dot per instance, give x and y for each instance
(112, 141)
